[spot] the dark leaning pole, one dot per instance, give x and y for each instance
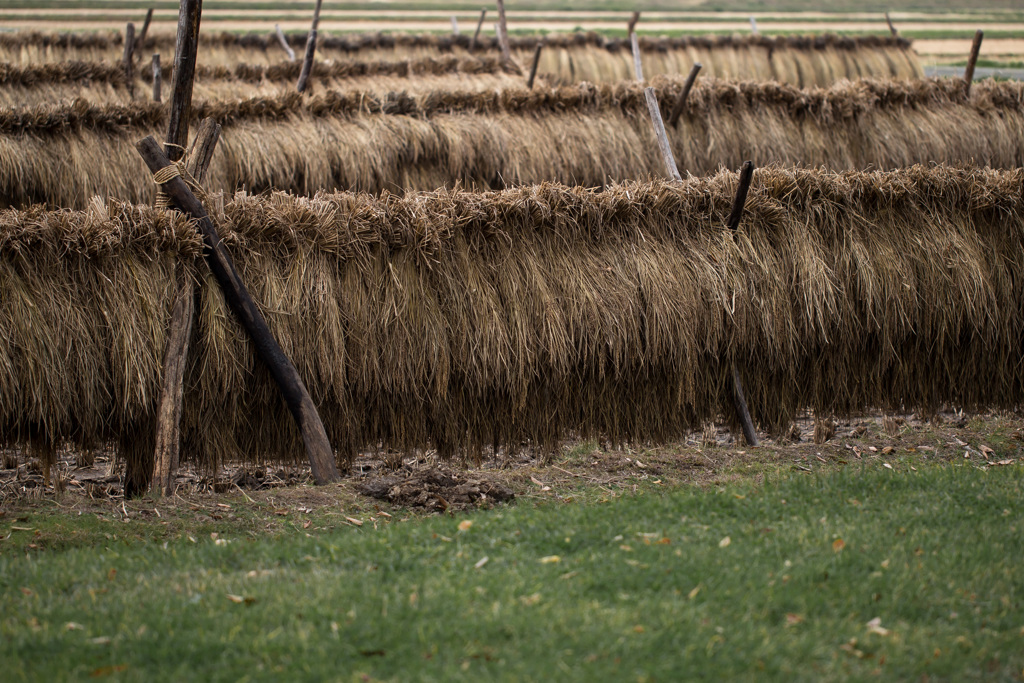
(184, 73)
(738, 398)
(318, 448)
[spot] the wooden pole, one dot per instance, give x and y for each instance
(632, 22)
(638, 65)
(189, 15)
(307, 62)
(284, 43)
(892, 29)
(127, 63)
(169, 404)
(476, 34)
(659, 132)
(738, 398)
(318, 448)
(677, 109)
(533, 67)
(144, 31)
(506, 52)
(157, 77)
(753, 24)
(972, 61)
(455, 26)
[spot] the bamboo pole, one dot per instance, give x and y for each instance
(169, 404)
(533, 66)
(506, 53)
(307, 62)
(659, 132)
(972, 61)
(677, 109)
(293, 390)
(189, 16)
(284, 43)
(476, 34)
(638, 65)
(157, 77)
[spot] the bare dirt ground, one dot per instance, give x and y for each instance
(421, 481)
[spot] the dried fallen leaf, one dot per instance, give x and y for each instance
(887, 450)
(530, 599)
(101, 640)
(793, 619)
(465, 525)
(550, 559)
(111, 575)
(73, 626)
(838, 545)
(724, 543)
(107, 670)
(875, 626)
(26, 591)
(692, 594)
(1004, 462)
(985, 450)
(886, 465)
(354, 521)
(638, 629)
(481, 562)
(240, 599)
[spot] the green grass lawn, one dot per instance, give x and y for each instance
(857, 573)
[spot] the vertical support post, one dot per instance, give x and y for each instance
(127, 63)
(632, 23)
(307, 62)
(284, 43)
(455, 26)
(506, 52)
(972, 61)
(157, 77)
(533, 67)
(144, 31)
(892, 29)
(293, 390)
(659, 132)
(189, 15)
(677, 109)
(169, 405)
(753, 25)
(476, 34)
(638, 65)
(738, 397)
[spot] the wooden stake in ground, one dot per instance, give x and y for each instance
(638, 65)
(972, 61)
(506, 52)
(533, 67)
(145, 30)
(307, 62)
(892, 29)
(753, 25)
(157, 77)
(632, 23)
(318, 448)
(738, 398)
(169, 404)
(659, 132)
(476, 34)
(127, 63)
(677, 109)
(187, 45)
(284, 43)
(455, 26)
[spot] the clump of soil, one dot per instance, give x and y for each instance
(437, 489)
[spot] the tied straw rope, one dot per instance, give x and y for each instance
(176, 169)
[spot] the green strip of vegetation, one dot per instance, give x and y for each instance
(870, 571)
